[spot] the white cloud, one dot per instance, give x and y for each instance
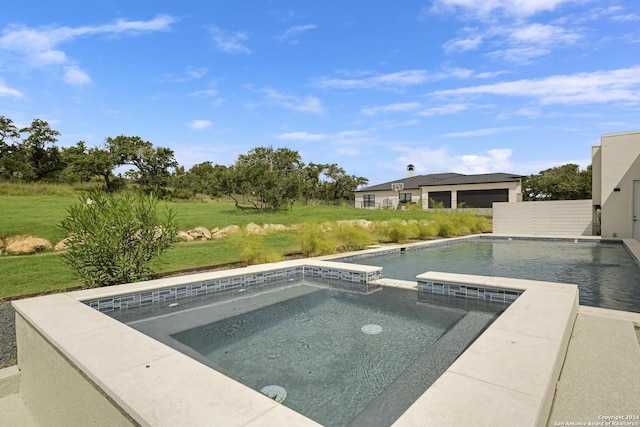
(76, 77)
(204, 93)
(40, 47)
(470, 39)
(196, 73)
(440, 160)
(490, 74)
(543, 34)
(481, 132)
(229, 42)
(519, 55)
(627, 17)
(391, 108)
(526, 42)
(463, 44)
(199, 124)
(348, 151)
(305, 104)
(7, 91)
(351, 135)
(488, 9)
(291, 34)
(302, 136)
(515, 41)
(495, 161)
(398, 79)
(42, 43)
(444, 109)
(622, 85)
(342, 138)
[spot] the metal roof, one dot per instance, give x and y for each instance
(415, 182)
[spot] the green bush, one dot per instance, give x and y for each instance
(315, 241)
(254, 250)
(351, 237)
(427, 230)
(392, 231)
(114, 238)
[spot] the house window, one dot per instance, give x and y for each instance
(405, 197)
(369, 200)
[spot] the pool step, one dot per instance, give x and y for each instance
(412, 383)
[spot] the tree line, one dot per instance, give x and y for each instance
(566, 182)
(263, 178)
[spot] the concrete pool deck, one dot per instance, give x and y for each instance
(599, 377)
(508, 377)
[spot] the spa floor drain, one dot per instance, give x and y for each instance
(371, 329)
(275, 392)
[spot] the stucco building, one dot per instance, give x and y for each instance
(616, 185)
(442, 190)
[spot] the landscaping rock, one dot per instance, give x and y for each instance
(61, 245)
(184, 236)
(275, 227)
(357, 222)
(200, 233)
(26, 244)
(226, 231)
(253, 228)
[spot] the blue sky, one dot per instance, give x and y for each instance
(469, 86)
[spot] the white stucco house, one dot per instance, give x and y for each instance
(448, 190)
(615, 167)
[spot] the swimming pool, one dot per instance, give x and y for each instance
(605, 272)
(114, 374)
(334, 353)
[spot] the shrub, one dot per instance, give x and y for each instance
(114, 238)
(446, 225)
(315, 241)
(351, 237)
(254, 250)
(392, 231)
(428, 230)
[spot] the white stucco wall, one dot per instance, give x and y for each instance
(548, 218)
(57, 393)
(616, 164)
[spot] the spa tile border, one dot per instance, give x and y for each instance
(478, 292)
(225, 284)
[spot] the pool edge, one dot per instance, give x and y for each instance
(44, 314)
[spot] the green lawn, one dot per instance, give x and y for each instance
(39, 215)
(35, 215)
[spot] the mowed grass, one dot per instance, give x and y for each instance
(39, 215)
(34, 215)
(47, 272)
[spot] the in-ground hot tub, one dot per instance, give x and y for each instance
(337, 352)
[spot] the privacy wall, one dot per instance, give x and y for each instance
(550, 218)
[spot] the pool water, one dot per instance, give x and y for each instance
(339, 358)
(606, 274)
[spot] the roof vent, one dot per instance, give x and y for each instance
(410, 169)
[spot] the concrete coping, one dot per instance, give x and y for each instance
(509, 374)
(111, 291)
(506, 377)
